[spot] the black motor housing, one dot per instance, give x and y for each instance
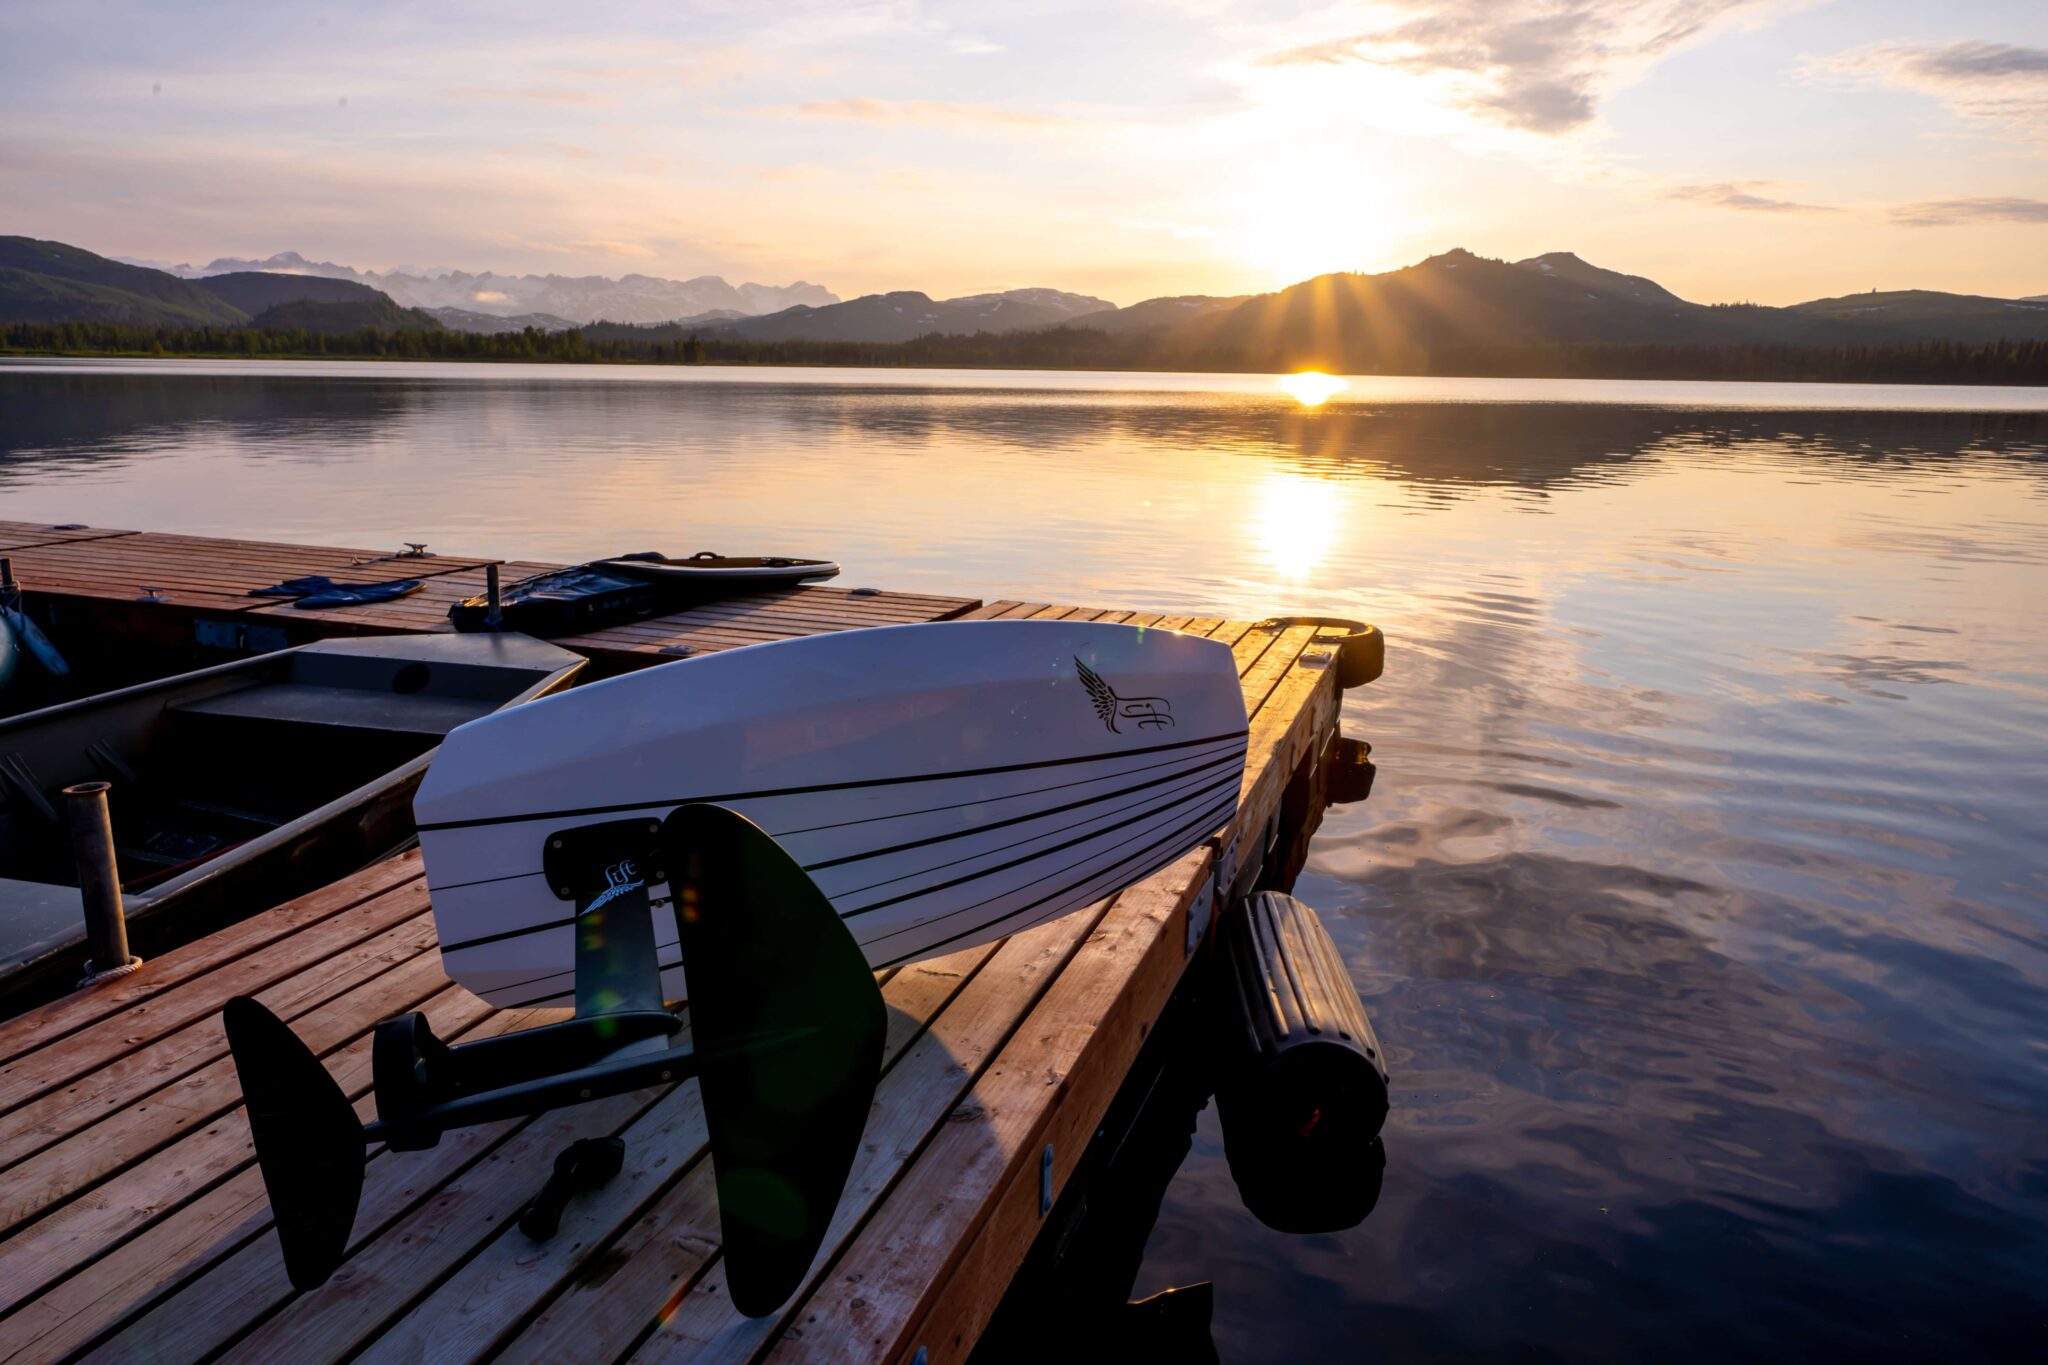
(1302, 1082)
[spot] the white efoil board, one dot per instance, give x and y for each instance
(945, 784)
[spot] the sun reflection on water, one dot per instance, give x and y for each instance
(1312, 388)
(1296, 521)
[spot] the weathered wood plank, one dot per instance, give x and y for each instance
(996, 611)
(107, 1090)
(234, 549)
(137, 996)
(902, 1257)
(915, 1094)
(1091, 1057)
(460, 1243)
(477, 1311)
(1284, 648)
(113, 1037)
(122, 566)
(756, 619)
(190, 1314)
(19, 535)
(390, 973)
(653, 1259)
(81, 1230)
(223, 1232)
(134, 589)
(350, 1313)
(780, 617)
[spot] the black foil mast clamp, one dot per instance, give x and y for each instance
(786, 1024)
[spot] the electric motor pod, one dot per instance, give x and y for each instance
(1361, 649)
(1302, 1083)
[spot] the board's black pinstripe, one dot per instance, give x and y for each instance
(1182, 789)
(995, 825)
(901, 815)
(574, 812)
(1229, 780)
(1214, 816)
(559, 922)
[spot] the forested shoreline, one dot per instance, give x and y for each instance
(1067, 348)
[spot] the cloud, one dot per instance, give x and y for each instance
(485, 94)
(1957, 212)
(1543, 73)
(1997, 84)
(1740, 194)
(602, 248)
(1980, 61)
(935, 113)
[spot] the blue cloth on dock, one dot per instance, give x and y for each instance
(316, 592)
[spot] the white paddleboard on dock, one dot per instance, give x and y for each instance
(944, 784)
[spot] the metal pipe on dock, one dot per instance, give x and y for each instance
(99, 882)
(494, 613)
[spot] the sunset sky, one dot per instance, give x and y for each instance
(1771, 150)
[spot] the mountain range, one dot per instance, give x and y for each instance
(572, 299)
(907, 315)
(1365, 323)
(1359, 323)
(54, 282)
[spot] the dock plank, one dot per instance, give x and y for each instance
(476, 1314)
(905, 1251)
(195, 1315)
(235, 946)
(657, 1259)
(138, 1130)
(925, 1096)
(203, 570)
(19, 535)
(192, 987)
(761, 617)
(184, 1056)
(76, 1233)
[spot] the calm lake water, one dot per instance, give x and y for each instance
(1702, 904)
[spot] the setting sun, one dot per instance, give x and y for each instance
(1312, 388)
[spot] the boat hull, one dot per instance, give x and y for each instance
(249, 730)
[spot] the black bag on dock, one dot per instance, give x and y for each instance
(564, 602)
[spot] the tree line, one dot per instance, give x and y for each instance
(1069, 348)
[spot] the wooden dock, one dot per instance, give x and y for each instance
(133, 1223)
(187, 597)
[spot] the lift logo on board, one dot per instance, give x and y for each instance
(623, 876)
(1150, 713)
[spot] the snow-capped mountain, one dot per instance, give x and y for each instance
(575, 298)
